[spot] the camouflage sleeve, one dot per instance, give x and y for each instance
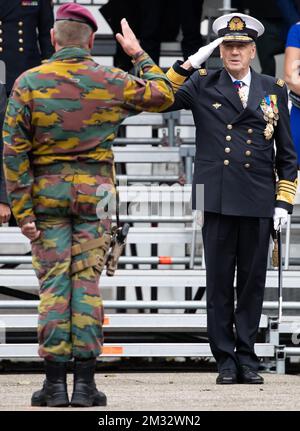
(3, 195)
(151, 91)
(17, 140)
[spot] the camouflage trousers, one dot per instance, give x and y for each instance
(71, 311)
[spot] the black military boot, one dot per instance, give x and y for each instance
(85, 393)
(54, 391)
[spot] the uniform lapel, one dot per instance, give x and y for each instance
(256, 91)
(226, 87)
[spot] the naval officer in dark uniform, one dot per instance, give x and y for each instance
(243, 145)
(24, 42)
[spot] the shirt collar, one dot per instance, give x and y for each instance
(71, 52)
(246, 80)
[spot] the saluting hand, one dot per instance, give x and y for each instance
(5, 213)
(128, 40)
(204, 52)
(30, 230)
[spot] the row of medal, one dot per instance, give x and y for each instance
(271, 114)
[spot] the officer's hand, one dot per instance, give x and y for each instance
(128, 40)
(202, 55)
(5, 213)
(280, 217)
(30, 230)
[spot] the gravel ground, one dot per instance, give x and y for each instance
(166, 391)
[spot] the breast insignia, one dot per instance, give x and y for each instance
(217, 105)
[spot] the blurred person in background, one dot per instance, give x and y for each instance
(155, 27)
(162, 24)
(290, 10)
(272, 42)
(113, 11)
(291, 75)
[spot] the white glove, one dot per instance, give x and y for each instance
(280, 217)
(204, 52)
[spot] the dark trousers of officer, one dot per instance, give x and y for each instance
(235, 242)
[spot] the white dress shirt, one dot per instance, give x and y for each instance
(243, 91)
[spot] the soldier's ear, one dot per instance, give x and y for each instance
(91, 40)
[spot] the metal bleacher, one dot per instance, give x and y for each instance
(155, 304)
(181, 314)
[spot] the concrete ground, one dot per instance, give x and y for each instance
(166, 391)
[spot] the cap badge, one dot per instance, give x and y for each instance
(236, 24)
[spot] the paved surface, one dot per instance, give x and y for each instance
(166, 391)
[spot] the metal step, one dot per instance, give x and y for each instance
(148, 178)
(125, 260)
(136, 350)
(12, 241)
(290, 325)
(145, 119)
(146, 235)
(138, 305)
(190, 142)
(178, 321)
(147, 155)
(25, 279)
(185, 118)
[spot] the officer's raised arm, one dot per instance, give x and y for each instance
(179, 74)
(151, 90)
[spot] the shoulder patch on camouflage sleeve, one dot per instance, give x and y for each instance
(202, 72)
(280, 82)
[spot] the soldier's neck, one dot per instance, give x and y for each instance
(58, 47)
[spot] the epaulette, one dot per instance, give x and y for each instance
(202, 72)
(280, 82)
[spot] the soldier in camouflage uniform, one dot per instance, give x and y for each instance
(60, 124)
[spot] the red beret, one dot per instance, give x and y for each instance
(76, 12)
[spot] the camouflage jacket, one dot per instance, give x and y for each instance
(69, 109)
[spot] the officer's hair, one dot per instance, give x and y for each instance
(72, 33)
